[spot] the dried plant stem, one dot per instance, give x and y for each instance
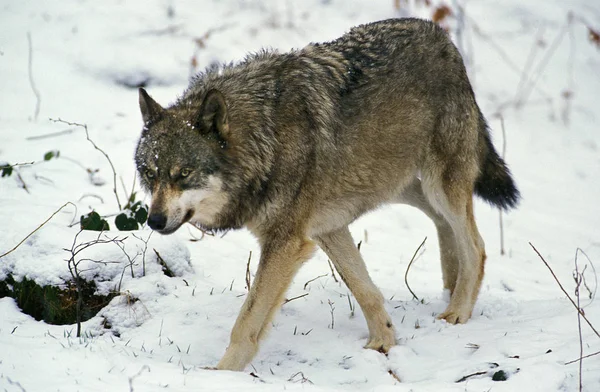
(248, 271)
(39, 227)
(87, 135)
(580, 358)
(500, 216)
(408, 268)
(36, 92)
(394, 375)
(294, 298)
(537, 73)
(313, 279)
(332, 271)
(579, 310)
(578, 279)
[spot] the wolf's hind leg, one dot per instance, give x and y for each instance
(413, 195)
(455, 203)
(340, 248)
(278, 264)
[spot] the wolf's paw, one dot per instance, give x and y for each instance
(455, 316)
(382, 343)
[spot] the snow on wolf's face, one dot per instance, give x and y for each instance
(179, 165)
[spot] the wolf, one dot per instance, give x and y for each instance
(296, 146)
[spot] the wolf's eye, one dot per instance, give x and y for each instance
(185, 172)
(150, 174)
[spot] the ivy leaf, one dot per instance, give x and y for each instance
(93, 221)
(51, 154)
(6, 170)
(125, 223)
(141, 215)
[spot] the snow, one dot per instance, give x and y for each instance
(167, 330)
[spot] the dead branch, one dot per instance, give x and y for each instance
(248, 271)
(313, 279)
(36, 92)
(49, 135)
(164, 265)
(580, 358)
(579, 310)
(578, 280)
(537, 73)
(394, 375)
(332, 308)
(500, 217)
(408, 268)
(332, 271)
(87, 135)
(294, 298)
(39, 227)
(465, 378)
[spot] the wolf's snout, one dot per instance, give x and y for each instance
(157, 221)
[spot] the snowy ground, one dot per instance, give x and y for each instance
(83, 52)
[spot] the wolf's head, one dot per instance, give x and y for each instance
(179, 158)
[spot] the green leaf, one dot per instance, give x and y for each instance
(135, 206)
(125, 223)
(93, 221)
(141, 215)
(6, 170)
(500, 375)
(51, 154)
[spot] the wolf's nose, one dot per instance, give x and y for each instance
(157, 221)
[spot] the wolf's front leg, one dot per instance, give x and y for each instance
(278, 264)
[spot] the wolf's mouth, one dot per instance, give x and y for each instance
(188, 216)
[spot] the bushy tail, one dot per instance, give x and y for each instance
(495, 184)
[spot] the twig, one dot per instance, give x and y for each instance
(332, 271)
(294, 298)
(577, 286)
(394, 375)
(313, 279)
(465, 378)
(73, 264)
(408, 268)
(144, 251)
(162, 262)
(49, 135)
(537, 73)
(579, 310)
(87, 135)
(529, 62)
(22, 181)
(39, 227)
(91, 195)
(248, 271)
(591, 293)
(501, 220)
(332, 308)
(31, 81)
(139, 373)
(302, 380)
(15, 383)
(580, 358)
(16, 164)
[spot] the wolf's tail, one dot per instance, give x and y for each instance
(495, 184)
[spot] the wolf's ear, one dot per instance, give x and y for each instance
(151, 111)
(213, 117)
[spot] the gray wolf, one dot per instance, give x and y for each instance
(296, 146)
